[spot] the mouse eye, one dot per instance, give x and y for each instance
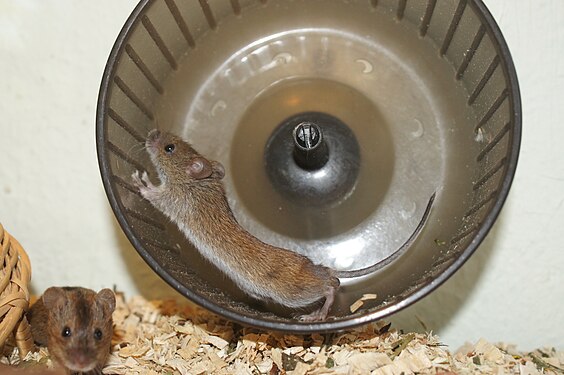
(66, 332)
(98, 334)
(169, 148)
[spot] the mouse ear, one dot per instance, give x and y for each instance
(107, 299)
(199, 168)
(53, 297)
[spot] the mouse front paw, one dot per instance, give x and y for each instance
(143, 184)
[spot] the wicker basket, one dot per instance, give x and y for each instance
(15, 274)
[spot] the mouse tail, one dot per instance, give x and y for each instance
(389, 259)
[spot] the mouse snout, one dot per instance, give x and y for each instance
(80, 360)
(152, 139)
(154, 134)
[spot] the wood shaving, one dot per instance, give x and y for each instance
(360, 302)
(356, 305)
(163, 337)
(366, 297)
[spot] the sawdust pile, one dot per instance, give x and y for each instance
(165, 338)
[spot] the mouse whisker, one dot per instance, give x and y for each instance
(136, 148)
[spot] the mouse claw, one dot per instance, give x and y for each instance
(321, 314)
(137, 182)
(143, 184)
(145, 179)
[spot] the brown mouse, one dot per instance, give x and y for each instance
(76, 326)
(192, 195)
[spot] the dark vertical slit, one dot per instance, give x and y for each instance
(444, 260)
(124, 125)
(470, 54)
(145, 219)
(493, 142)
(478, 184)
(143, 68)
(180, 22)
(126, 185)
(134, 98)
(494, 107)
(453, 26)
(463, 235)
(158, 245)
(401, 9)
(485, 78)
(479, 205)
(158, 41)
(427, 17)
(208, 14)
(236, 7)
(374, 3)
(119, 152)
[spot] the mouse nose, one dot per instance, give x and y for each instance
(80, 360)
(154, 134)
(152, 138)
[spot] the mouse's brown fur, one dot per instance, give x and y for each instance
(191, 194)
(76, 326)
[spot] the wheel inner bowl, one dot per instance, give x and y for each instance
(425, 92)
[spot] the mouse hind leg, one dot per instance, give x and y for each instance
(321, 313)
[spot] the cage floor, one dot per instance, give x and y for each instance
(164, 337)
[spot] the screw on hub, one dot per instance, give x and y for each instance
(310, 151)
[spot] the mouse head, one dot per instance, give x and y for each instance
(177, 161)
(80, 326)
